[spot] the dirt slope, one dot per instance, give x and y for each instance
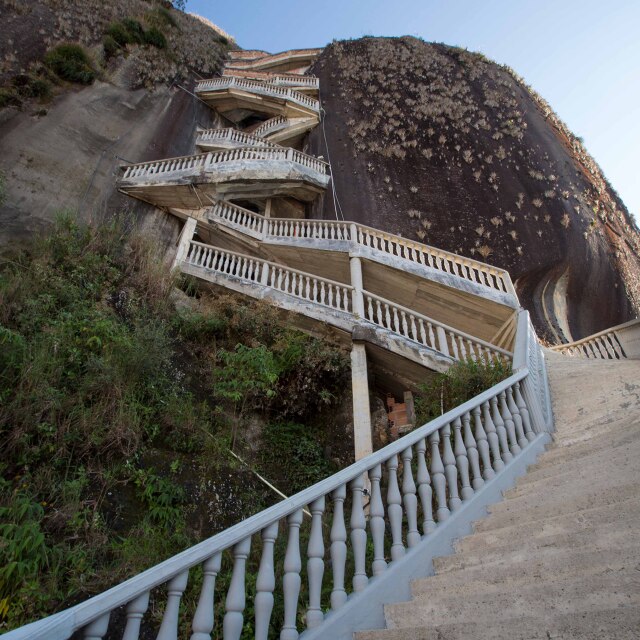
(442, 145)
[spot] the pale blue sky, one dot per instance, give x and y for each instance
(583, 56)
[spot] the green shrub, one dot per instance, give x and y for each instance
(9, 98)
(163, 16)
(32, 86)
(120, 34)
(155, 38)
(111, 47)
(134, 29)
(71, 62)
(463, 381)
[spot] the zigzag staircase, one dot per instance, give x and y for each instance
(400, 302)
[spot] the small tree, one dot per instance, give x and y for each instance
(180, 5)
(246, 377)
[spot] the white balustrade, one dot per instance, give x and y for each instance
(427, 331)
(610, 344)
(261, 88)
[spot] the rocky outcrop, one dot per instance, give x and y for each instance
(440, 144)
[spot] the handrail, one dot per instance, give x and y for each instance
(233, 135)
(227, 82)
(282, 79)
(605, 344)
(204, 160)
(501, 430)
(384, 313)
(417, 327)
(267, 125)
(466, 268)
(271, 58)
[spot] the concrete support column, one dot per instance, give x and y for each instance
(362, 439)
(357, 301)
(186, 235)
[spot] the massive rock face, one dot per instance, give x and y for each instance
(442, 145)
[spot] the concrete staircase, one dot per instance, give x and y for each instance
(560, 556)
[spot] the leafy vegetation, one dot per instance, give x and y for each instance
(463, 381)
(71, 62)
(116, 413)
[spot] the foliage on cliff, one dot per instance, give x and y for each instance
(114, 422)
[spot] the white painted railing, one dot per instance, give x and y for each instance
(381, 312)
(471, 270)
(205, 161)
(428, 332)
(230, 134)
(413, 486)
(269, 59)
(298, 284)
(228, 82)
(279, 79)
(616, 343)
(269, 125)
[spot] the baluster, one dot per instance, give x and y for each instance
(423, 335)
(409, 498)
(405, 328)
(414, 330)
(454, 346)
(135, 612)
(424, 488)
(482, 445)
(203, 618)
(432, 336)
(396, 325)
(345, 299)
(379, 313)
(291, 580)
(394, 509)
(462, 461)
(492, 437)
(315, 290)
(524, 413)
(280, 277)
(322, 292)
(376, 521)
(438, 477)
(235, 602)
(472, 452)
(450, 470)
(307, 289)
(315, 564)
(501, 431)
(463, 351)
(265, 583)
(175, 589)
(97, 629)
(517, 419)
(370, 316)
(358, 534)
(509, 425)
(338, 548)
(387, 316)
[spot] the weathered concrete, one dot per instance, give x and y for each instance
(362, 435)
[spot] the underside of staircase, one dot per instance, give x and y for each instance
(560, 556)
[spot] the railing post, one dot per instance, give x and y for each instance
(186, 235)
(442, 340)
(357, 297)
(361, 411)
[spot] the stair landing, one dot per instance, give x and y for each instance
(560, 556)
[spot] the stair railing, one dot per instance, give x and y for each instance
(615, 343)
(416, 252)
(261, 88)
(412, 486)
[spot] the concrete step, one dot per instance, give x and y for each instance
(565, 523)
(615, 469)
(558, 451)
(536, 599)
(548, 567)
(568, 466)
(620, 623)
(584, 433)
(527, 509)
(625, 536)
